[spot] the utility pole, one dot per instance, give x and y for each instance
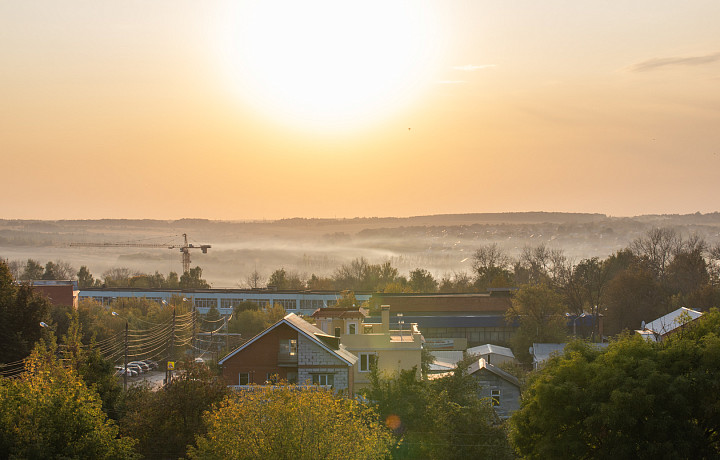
(194, 332)
(126, 353)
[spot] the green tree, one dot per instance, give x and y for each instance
(192, 279)
(166, 422)
(21, 311)
(444, 418)
(33, 271)
(49, 412)
(85, 278)
(422, 280)
(632, 296)
(284, 280)
(284, 422)
(539, 314)
(636, 400)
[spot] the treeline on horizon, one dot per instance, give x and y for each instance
(657, 273)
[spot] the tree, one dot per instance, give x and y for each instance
(33, 271)
(166, 422)
(491, 265)
(283, 280)
(85, 278)
(632, 296)
(21, 311)
(254, 280)
(638, 399)
(657, 247)
(49, 412)
(422, 280)
(192, 279)
(117, 277)
(539, 313)
(444, 418)
(285, 422)
(457, 282)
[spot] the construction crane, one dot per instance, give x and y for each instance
(184, 248)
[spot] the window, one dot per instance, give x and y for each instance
(307, 304)
(367, 361)
(230, 303)
(292, 377)
(206, 302)
(287, 304)
(323, 379)
(244, 378)
(337, 332)
(288, 347)
(352, 328)
(271, 378)
(495, 397)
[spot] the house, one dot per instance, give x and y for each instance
(293, 350)
(674, 321)
(498, 387)
(492, 354)
(374, 344)
(541, 352)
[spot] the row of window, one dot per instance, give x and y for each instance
(245, 378)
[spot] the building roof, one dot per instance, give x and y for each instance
(542, 351)
(449, 357)
(438, 304)
(425, 322)
(309, 331)
(341, 313)
(481, 364)
(672, 321)
(488, 349)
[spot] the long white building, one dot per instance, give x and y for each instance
(225, 300)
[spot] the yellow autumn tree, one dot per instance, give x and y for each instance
(289, 422)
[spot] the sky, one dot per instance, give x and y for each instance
(271, 109)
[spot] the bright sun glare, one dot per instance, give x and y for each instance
(330, 63)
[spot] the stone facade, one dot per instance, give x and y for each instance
(313, 359)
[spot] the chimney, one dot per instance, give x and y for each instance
(385, 315)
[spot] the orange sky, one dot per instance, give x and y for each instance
(229, 110)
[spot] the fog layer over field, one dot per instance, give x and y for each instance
(442, 244)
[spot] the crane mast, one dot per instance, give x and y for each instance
(184, 248)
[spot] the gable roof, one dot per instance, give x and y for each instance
(490, 349)
(311, 332)
(671, 321)
(481, 364)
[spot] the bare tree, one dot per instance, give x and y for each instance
(254, 280)
(658, 247)
(490, 257)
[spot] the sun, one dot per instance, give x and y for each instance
(329, 63)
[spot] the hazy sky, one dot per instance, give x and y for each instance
(232, 110)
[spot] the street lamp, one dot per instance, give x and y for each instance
(575, 321)
(126, 350)
(400, 324)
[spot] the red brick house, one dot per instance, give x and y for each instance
(293, 350)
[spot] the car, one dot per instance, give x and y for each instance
(120, 371)
(136, 368)
(152, 364)
(200, 361)
(143, 365)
